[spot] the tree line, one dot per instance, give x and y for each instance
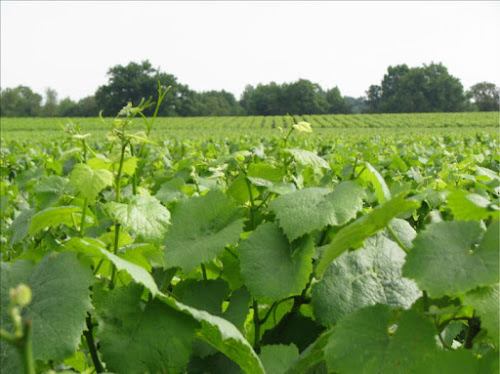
(403, 89)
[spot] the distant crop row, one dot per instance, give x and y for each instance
(241, 125)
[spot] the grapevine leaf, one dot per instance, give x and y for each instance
(53, 217)
(312, 356)
(278, 358)
(370, 174)
(144, 215)
(268, 266)
(371, 275)
(305, 158)
(201, 227)
(353, 235)
(61, 299)
(362, 342)
(444, 260)
(48, 190)
(450, 362)
(18, 230)
(203, 294)
(94, 247)
(137, 339)
(485, 300)
(237, 310)
(466, 206)
(264, 175)
(314, 208)
(224, 336)
(12, 274)
(404, 231)
(89, 182)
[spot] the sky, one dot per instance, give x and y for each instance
(70, 46)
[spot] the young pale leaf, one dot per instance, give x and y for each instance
(353, 235)
(269, 267)
(305, 158)
(368, 276)
(303, 127)
(61, 299)
(138, 339)
(314, 208)
(277, 359)
(362, 343)
(89, 182)
(201, 227)
(445, 261)
(485, 301)
(144, 215)
(53, 217)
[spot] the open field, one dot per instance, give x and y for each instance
(228, 245)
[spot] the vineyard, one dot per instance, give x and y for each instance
(21, 128)
(305, 244)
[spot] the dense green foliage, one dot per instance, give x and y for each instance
(403, 90)
(419, 89)
(288, 253)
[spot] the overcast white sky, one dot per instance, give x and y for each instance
(69, 46)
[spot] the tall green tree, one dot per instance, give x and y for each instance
(429, 88)
(134, 82)
(485, 96)
(50, 107)
(20, 101)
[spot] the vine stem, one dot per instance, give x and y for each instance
(27, 348)
(257, 324)
(84, 216)
(92, 348)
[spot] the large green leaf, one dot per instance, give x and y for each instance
(18, 230)
(370, 174)
(48, 190)
(453, 362)
(353, 235)
(53, 217)
(371, 275)
(89, 182)
(277, 359)
(144, 215)
(485, 301)
(445, 260)
(306, 158)
(466, 206)
(203, 294)
(61, 299)
(94, 247)
(363, 343)
(222, 335)
(269, 266)
(313, 208)
(201, 227)
(137, 338)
